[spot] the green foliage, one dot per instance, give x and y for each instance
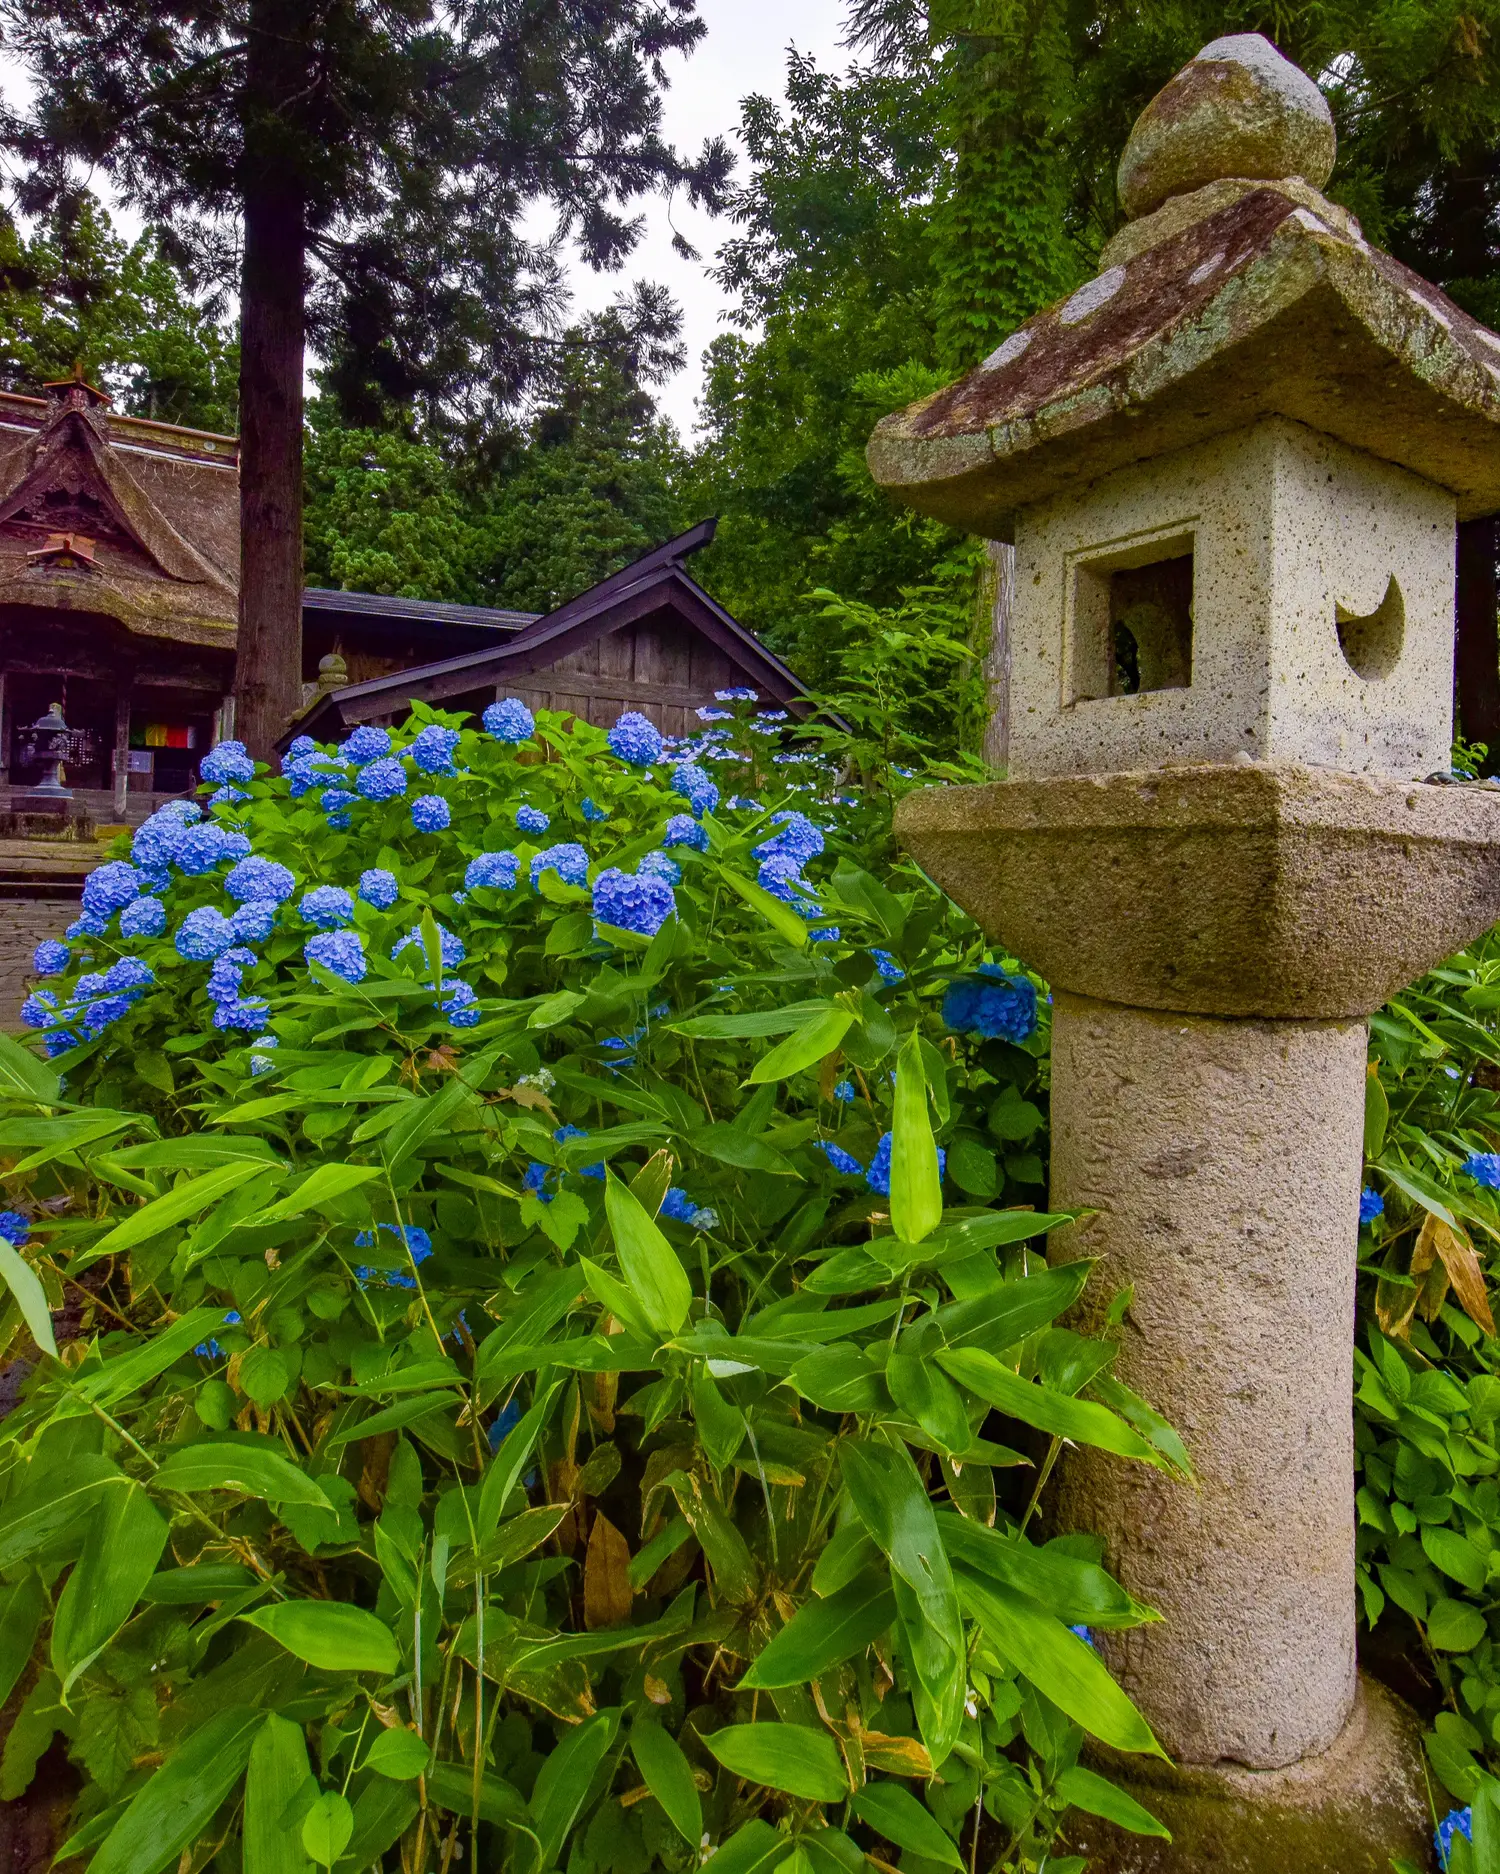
(72, 292)
(476, 1453)
(384, 514)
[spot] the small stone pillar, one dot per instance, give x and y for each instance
(1231, 466)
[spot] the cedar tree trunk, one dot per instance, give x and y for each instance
(268, 666)
(1476, 669)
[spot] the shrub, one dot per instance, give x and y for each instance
(552, 1334)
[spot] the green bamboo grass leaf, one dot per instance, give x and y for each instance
(1008, 1312)
(822, 1633)
(407, 1412)
(74, 1132)
(563, 1782)
(1096, 1795)
(399, 1754)
(51, 1500)
(21, 1609)
(125, 1538)
(1035, 1404)
(1057, 1663)
(613, 1295)
(198, 1154)
(278, 1785)
(793, 1758)
(330, 1635)
(730, 1146)
(323, 1186)
(31, 1298)
(178, 1803)
(668, 1775)
(804, 1048)
(891, 1499)
(186, 1200)
(510, 1461)
(895, 1813)
(754, 1849)
(781, 917)
(925, 1394)
(1079, 1593)
(752, 1026)
(132, 1372)
(451, 1787)
(327, 1827)
(24, 1076)
(916, 1187)
(648, 1261)
(248, 1469)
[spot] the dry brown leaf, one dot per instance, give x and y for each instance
(606, 1580)
(1456, 1253)
(657, 1690)
(902, 1756)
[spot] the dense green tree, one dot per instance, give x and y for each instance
(376, 158)
(73, 292)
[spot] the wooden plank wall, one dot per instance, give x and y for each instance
(665, 673)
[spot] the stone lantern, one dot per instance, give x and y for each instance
(1232, 466)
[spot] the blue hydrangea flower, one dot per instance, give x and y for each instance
(202, 848)
(340, 951)
(496, 870)
(678, 1205)
(379, 888)
(696, 786)
(509, 720)
(433, 748)
(1455, 1822)
(506, 1420)
(683, 830)
(103, 1014)
(563, 1134)
(227, 761)
(368, 743)
(842, 1161)
(535, 1180)
(260, 878)
(450, 947)
(878, 1177)
(300, 749)
(796, 838)
(715, 715)
(14, 1227)
(336, 801)
(658, 865)
(781, 876)
(532, 820)
(844, 1092)
(327, 906)
(50, 958)
(227, 796)
(58, 1041)
(889, 970)
(224, 977)
(1484, 1168)
(592, 811)
(39, 1008)
(742, 803)
(87, 924)
(261, 1064)
(92, 984)
(204, 934)
(156, 840)
(461, 1004)
(143, 917)
(569, 861)
(829, 934)
(991, 1004)
(315, 771)
(635, 738)
(418, 1243)
(238, 1014)
(110, 888)
(642, 903)
(129, 975)
(430, 813)
(739, 694)
(254, 922)
(1083, 1633)
(1371, 1205)
(382, 780)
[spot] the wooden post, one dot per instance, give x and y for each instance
(122, 743)
(996, 748)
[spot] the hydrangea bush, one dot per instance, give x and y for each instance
(569, 1355)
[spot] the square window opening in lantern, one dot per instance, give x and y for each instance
(1131, 628)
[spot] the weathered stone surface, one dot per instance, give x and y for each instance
(1221, 1161)
(1238, 109)
(1249, 889)
(1292, 536)
(1181, 211)
(1260, 308)
(1344, 1812)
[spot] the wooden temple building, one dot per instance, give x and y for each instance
(119, 566)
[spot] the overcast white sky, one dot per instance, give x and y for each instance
(744, 52)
